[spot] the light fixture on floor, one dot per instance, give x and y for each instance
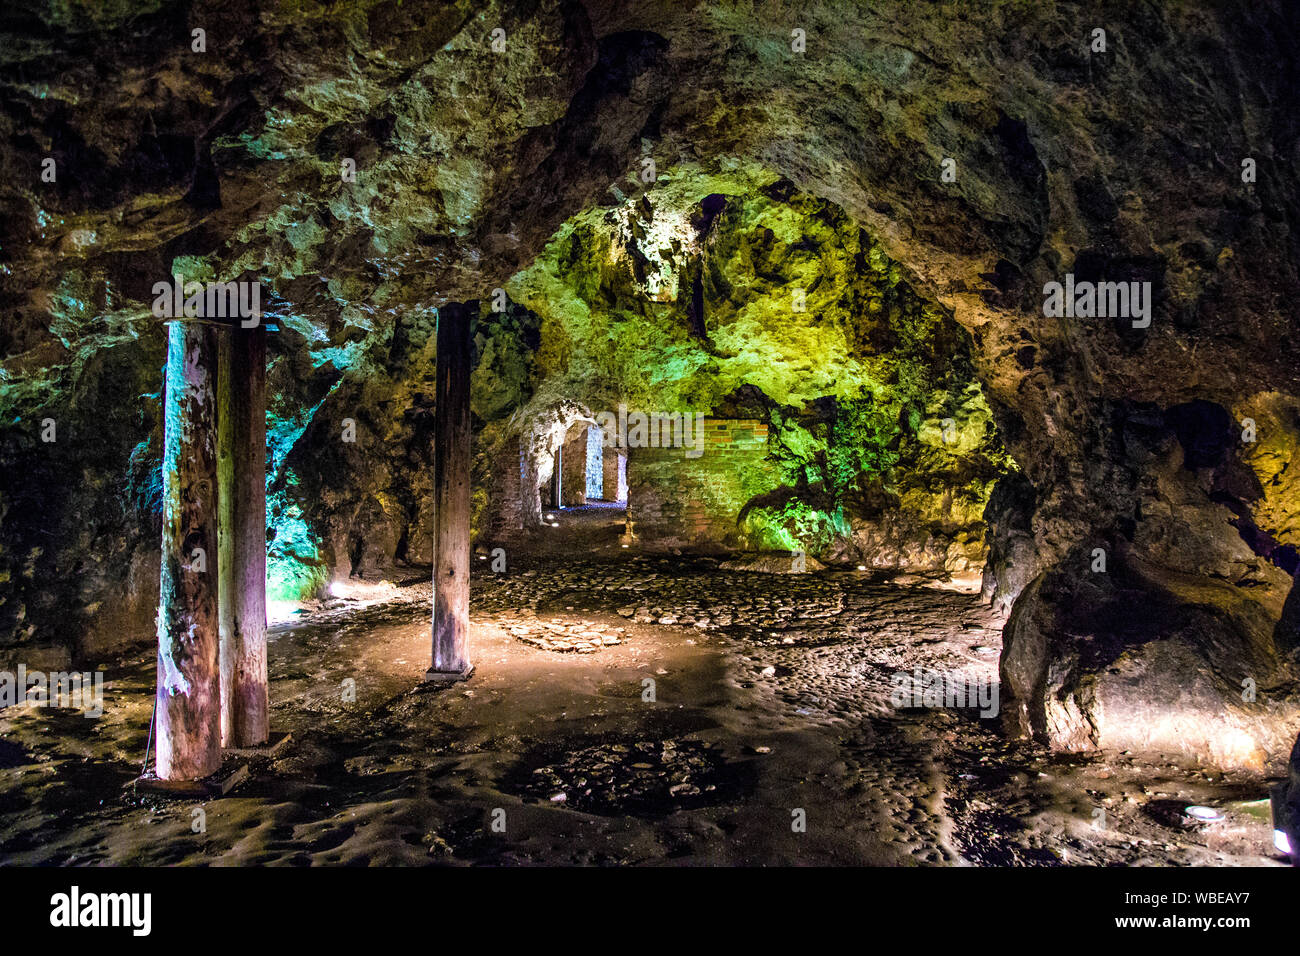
(278, 612)
(1281, 836)
(1204, 814)
(1282, 842)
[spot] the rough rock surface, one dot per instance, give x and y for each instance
(226, 163)
(1171, 638)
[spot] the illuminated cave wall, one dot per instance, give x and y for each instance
(739, 297)
(881, 448)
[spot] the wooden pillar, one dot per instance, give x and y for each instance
(226, 506)
(187, 703)
(251, 695)
(241, 471)
(451, 457)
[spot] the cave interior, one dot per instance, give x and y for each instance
(654, 420)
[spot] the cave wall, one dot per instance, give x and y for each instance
(738, 296)
(80, 512)
(1167, 634)
(477, 169)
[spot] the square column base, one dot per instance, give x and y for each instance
(432, 676)
(217, 785)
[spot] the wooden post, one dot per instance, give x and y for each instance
(187, 703)
(451, 465)
(250, 695)
(226, 534)
(241, 473)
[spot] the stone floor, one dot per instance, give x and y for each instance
(624, 711)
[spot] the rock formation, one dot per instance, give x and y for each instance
(668, 204)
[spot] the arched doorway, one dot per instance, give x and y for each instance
(541, 454)
(589, 469)
(573, 478)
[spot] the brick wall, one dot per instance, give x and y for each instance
(676, 501)
(504, 498)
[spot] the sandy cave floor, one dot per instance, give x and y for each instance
(772, 694)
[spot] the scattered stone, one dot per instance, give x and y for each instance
(666, 776)
(774, 563)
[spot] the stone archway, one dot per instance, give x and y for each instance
(542, 436)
